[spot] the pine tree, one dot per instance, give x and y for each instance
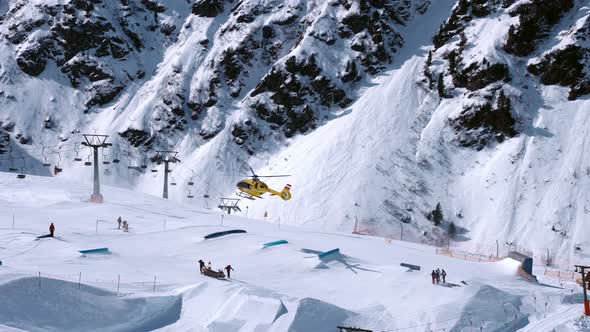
(427, 72)
(441, 86)
(437, 215)
(452, 230)
(452, 62)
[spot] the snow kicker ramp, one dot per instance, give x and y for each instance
(60, 306)
(224, 233)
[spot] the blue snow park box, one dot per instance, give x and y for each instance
(94, 251)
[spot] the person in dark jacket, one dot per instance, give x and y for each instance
(433, 275)
(228, 269)
(443, 274)
(201, 265)
(119, 221)
(51, 229)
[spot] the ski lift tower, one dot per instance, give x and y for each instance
(582, 270)
(229, 204)
(95, 142)
(166, 157)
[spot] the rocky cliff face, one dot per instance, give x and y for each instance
(227, 83)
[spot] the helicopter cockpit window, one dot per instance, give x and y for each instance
(244, 185)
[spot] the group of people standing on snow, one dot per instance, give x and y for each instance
(227, 269)
(437, 275)
(123, 224)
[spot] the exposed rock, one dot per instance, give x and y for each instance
(564, 67)
(535, 20)
(137, 137)
(476, 126)
(208, 8)
(479, 75)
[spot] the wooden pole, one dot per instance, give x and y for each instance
(154, 284)
(79, 280)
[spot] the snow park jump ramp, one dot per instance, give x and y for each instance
(60, 306)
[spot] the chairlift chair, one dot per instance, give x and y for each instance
(22, 175)
(88, 162)
(190, 181)
(45, 163)
(172, 183)
(12, 168)
(205, 196)
(58, 169)
(190, 195)
(105, 161)
(116, 160)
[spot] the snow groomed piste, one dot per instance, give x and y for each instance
(224, 233)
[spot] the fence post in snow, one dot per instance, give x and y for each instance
(79, 280)
(222, 219)
(97, 226)
(39, 280)
(165, 223)
(118, 283)
(154, 284)
(13, 221)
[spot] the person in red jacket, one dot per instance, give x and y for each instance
(51, 229)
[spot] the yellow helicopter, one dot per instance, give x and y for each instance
(253, 188)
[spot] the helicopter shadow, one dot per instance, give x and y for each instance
(349, 262)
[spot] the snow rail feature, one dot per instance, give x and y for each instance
(94, 251)
(274, 243)
(411, 266)
(219, 234)
(330, 252)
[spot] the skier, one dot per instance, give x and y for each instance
(444, 276)
(51, 229)
(433, 275)
(126, 227)
(55, 170)
(437, 276)
(119, 220)
(265, 214)
(228, 269)
(201, 265)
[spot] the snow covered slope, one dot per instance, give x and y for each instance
(150, 278)
(379, 110)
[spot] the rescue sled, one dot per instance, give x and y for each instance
(213, 274)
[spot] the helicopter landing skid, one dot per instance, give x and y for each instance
(250, 197)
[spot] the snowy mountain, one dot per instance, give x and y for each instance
(378, 109)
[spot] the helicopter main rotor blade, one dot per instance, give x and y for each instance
(251, 170)
(272, 176)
